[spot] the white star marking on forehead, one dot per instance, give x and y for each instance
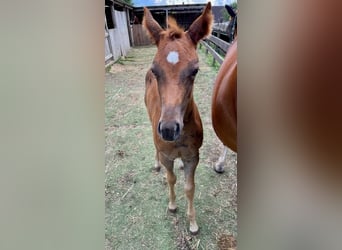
(172, 57)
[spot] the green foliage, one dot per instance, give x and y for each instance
(209, 59)
(225, 15)
(128, 2)
(234, 6)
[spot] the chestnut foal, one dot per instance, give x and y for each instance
(176, 123)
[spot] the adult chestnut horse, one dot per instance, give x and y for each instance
(176, 123)
(223, 109)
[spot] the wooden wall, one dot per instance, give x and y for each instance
(118, 36)
(140, 37)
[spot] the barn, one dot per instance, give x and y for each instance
(123, 27)
(118, 35)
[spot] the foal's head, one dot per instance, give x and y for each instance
(175, 66)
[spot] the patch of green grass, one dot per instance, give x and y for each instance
(136, 215)
(107, 69)
(209, 59)
(120, 61)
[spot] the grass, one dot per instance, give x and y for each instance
(209, 59)
(136, 197)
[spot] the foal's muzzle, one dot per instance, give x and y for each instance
(169, 131)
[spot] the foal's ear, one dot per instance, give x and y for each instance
(201, 27)
(151, 26)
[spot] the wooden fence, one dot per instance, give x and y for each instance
(217, 48)
(139, 35)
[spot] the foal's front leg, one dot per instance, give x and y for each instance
(157, 163)
(189, 188)
(171, 180)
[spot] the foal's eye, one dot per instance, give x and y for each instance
(194, 72)
(154, 72)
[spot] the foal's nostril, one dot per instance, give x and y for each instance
(177, 129)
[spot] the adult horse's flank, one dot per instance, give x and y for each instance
(176, 123)
(223, 109)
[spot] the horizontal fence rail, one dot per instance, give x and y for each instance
(217, 48)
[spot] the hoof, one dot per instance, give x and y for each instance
(173, 210)
(181, 165)
(219, 168)
(157, 168)
(195, 232)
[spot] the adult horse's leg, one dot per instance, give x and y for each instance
(189, 188)
(219, 165)
(171, 180)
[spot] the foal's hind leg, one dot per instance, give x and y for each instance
(189, 188)
(171, 180)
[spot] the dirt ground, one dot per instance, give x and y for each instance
(136, 197)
